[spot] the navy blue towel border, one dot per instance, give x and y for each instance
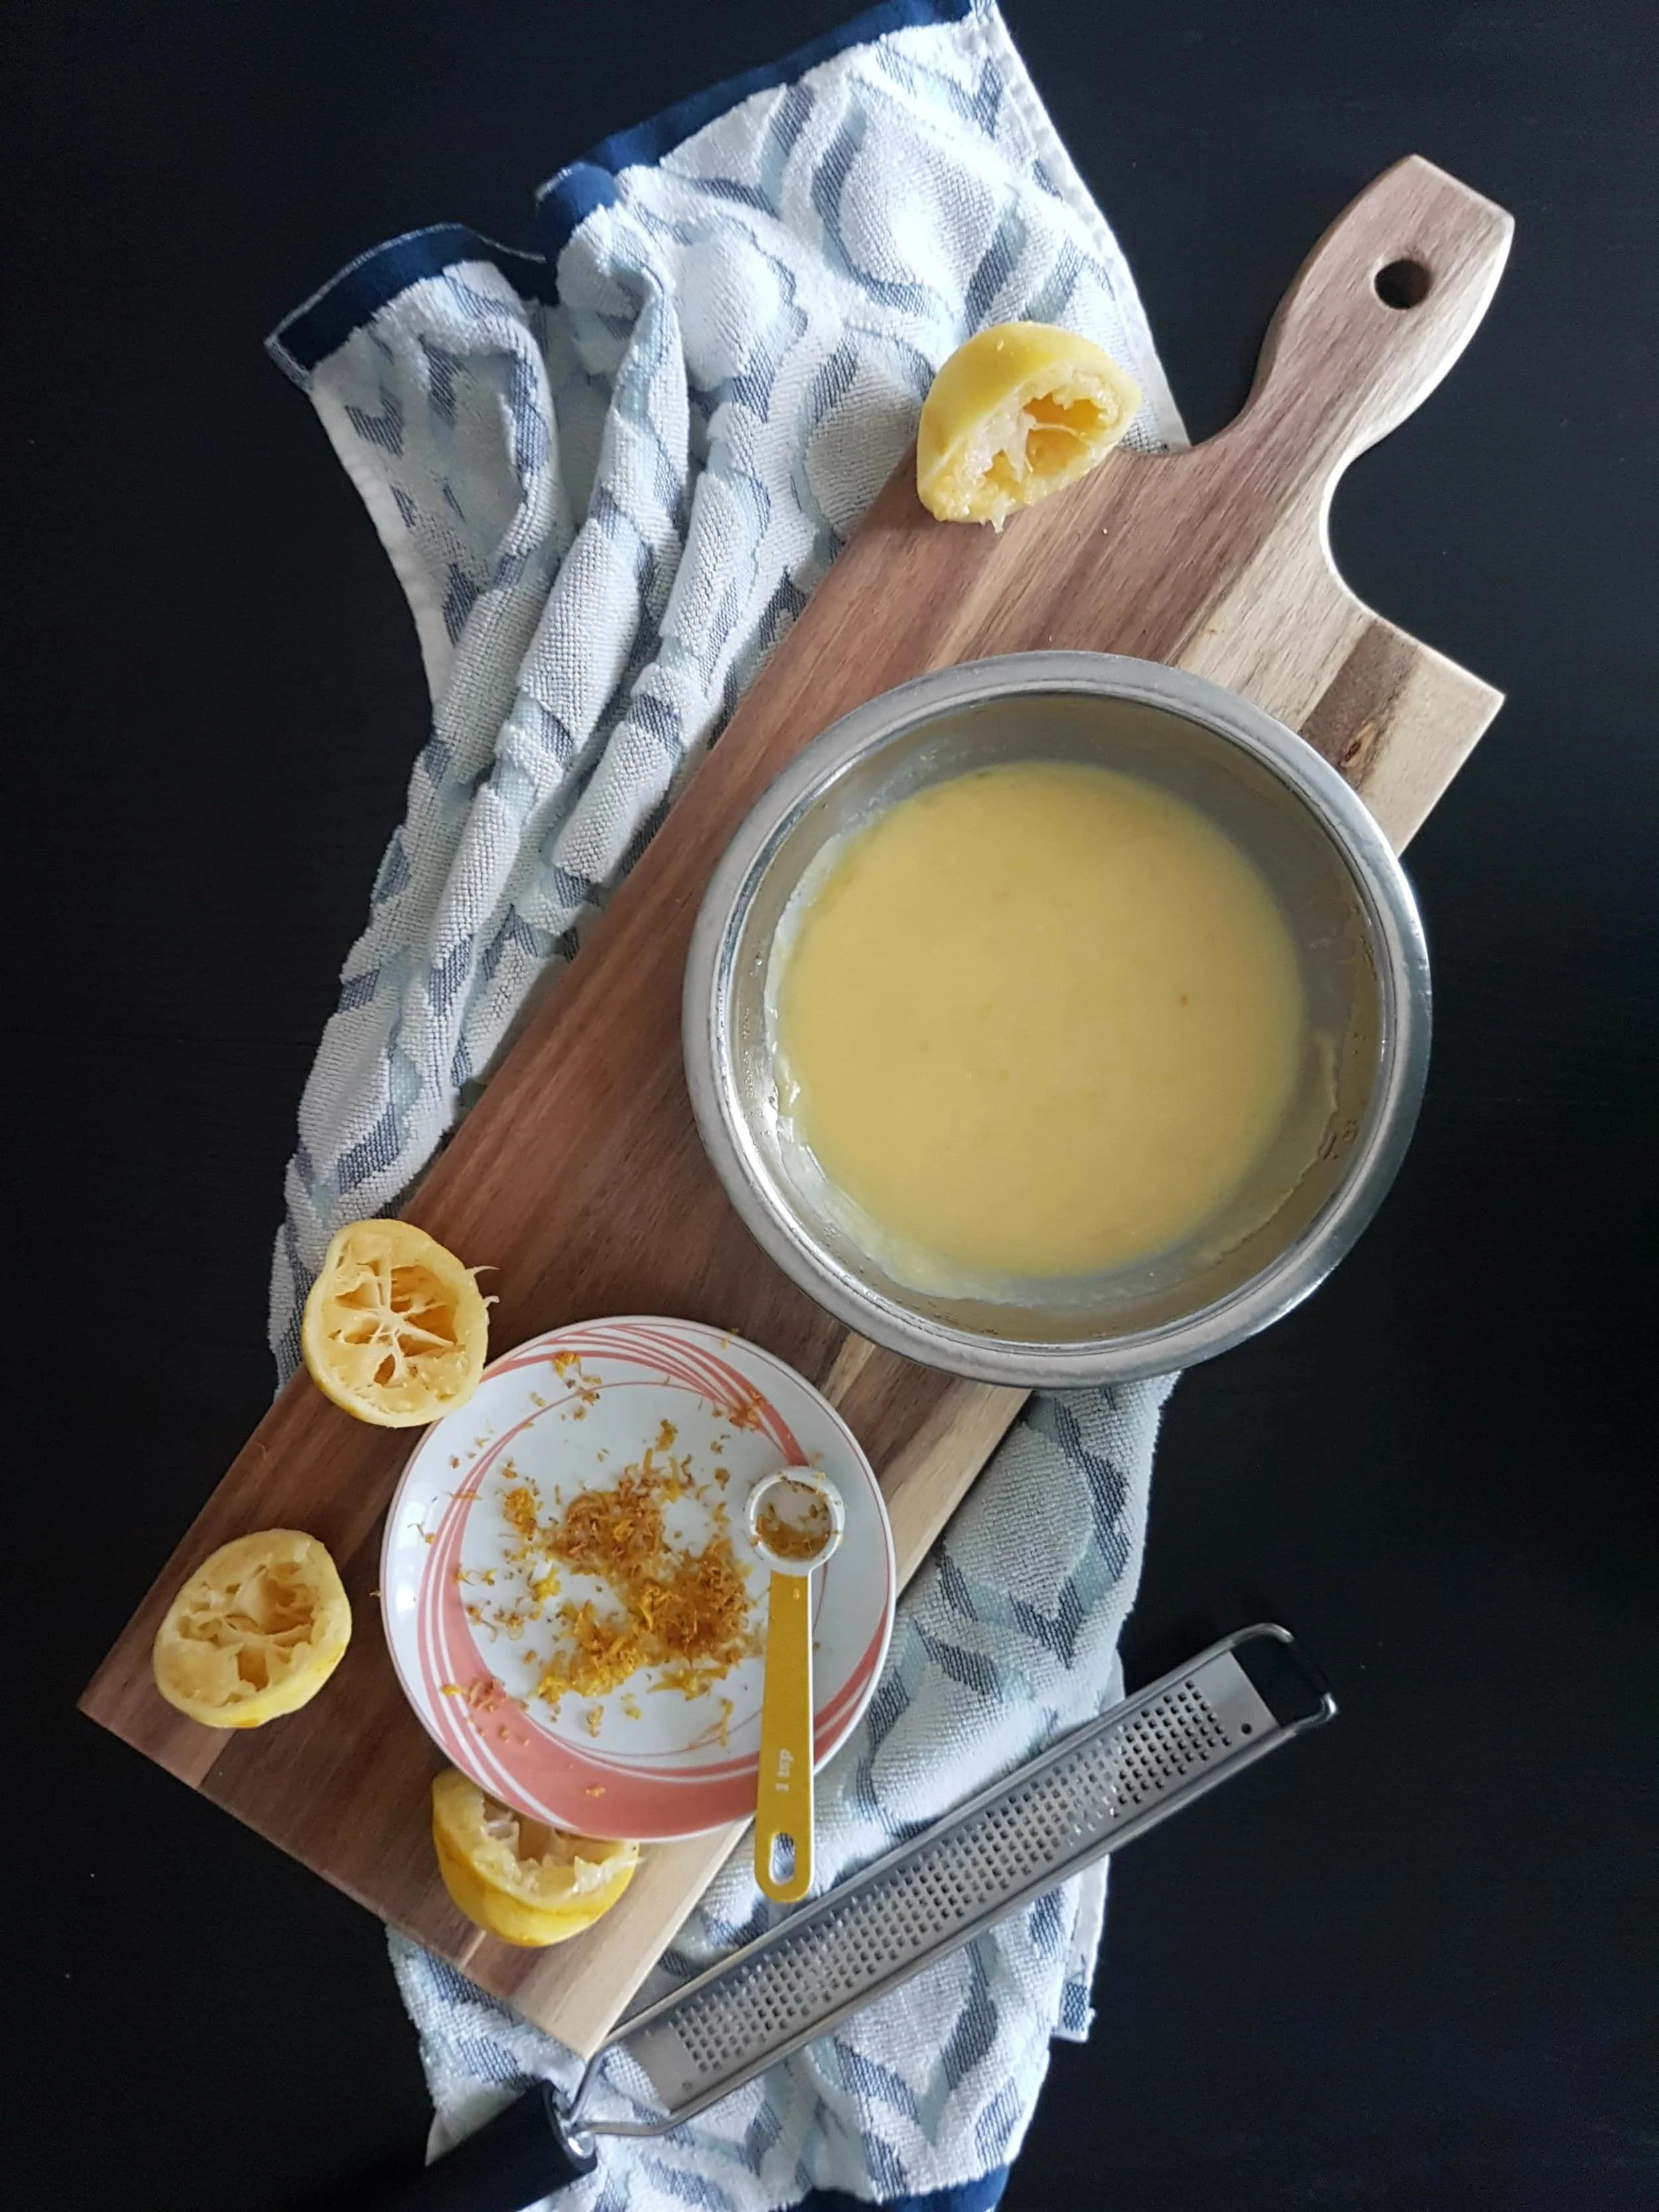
(362, 287)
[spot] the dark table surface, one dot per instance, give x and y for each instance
(1410, 1965)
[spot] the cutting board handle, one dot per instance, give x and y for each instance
(1378, 313)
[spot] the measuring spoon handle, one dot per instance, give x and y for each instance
(783, 1803)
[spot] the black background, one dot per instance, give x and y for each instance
(1408, 1965)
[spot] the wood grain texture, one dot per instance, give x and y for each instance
(579, 1177)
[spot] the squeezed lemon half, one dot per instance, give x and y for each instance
(1021, 411)
(255, 1633)
(526, 1882)
(395, 1328)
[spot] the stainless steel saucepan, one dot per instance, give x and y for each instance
(1364, 970)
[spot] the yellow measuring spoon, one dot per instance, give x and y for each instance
(795, 1521)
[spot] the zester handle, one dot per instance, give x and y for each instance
(514, 2161)
(1086, 1796)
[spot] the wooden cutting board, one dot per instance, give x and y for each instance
(579, 1177)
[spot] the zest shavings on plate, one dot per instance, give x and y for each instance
(687, 1614)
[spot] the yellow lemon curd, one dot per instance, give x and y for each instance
(1037, 1021)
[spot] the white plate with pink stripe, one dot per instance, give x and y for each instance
(475, 1618)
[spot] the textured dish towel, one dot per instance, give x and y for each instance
(609, 475)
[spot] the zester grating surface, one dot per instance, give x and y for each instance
(1118, 1776)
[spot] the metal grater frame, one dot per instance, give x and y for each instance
(1085, 1795)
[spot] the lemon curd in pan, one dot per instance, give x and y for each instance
(1037, 1021)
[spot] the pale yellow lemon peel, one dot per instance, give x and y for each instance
(255, 1632)
(1020, 411)
(519, 1878)
(396, 1329)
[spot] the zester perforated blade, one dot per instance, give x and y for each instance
(1085, 1796)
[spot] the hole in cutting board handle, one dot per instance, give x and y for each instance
(1402, 284)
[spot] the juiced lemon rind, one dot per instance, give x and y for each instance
(1020, 411)
(255, 1632)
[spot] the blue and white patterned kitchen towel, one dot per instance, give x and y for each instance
(609, 474)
